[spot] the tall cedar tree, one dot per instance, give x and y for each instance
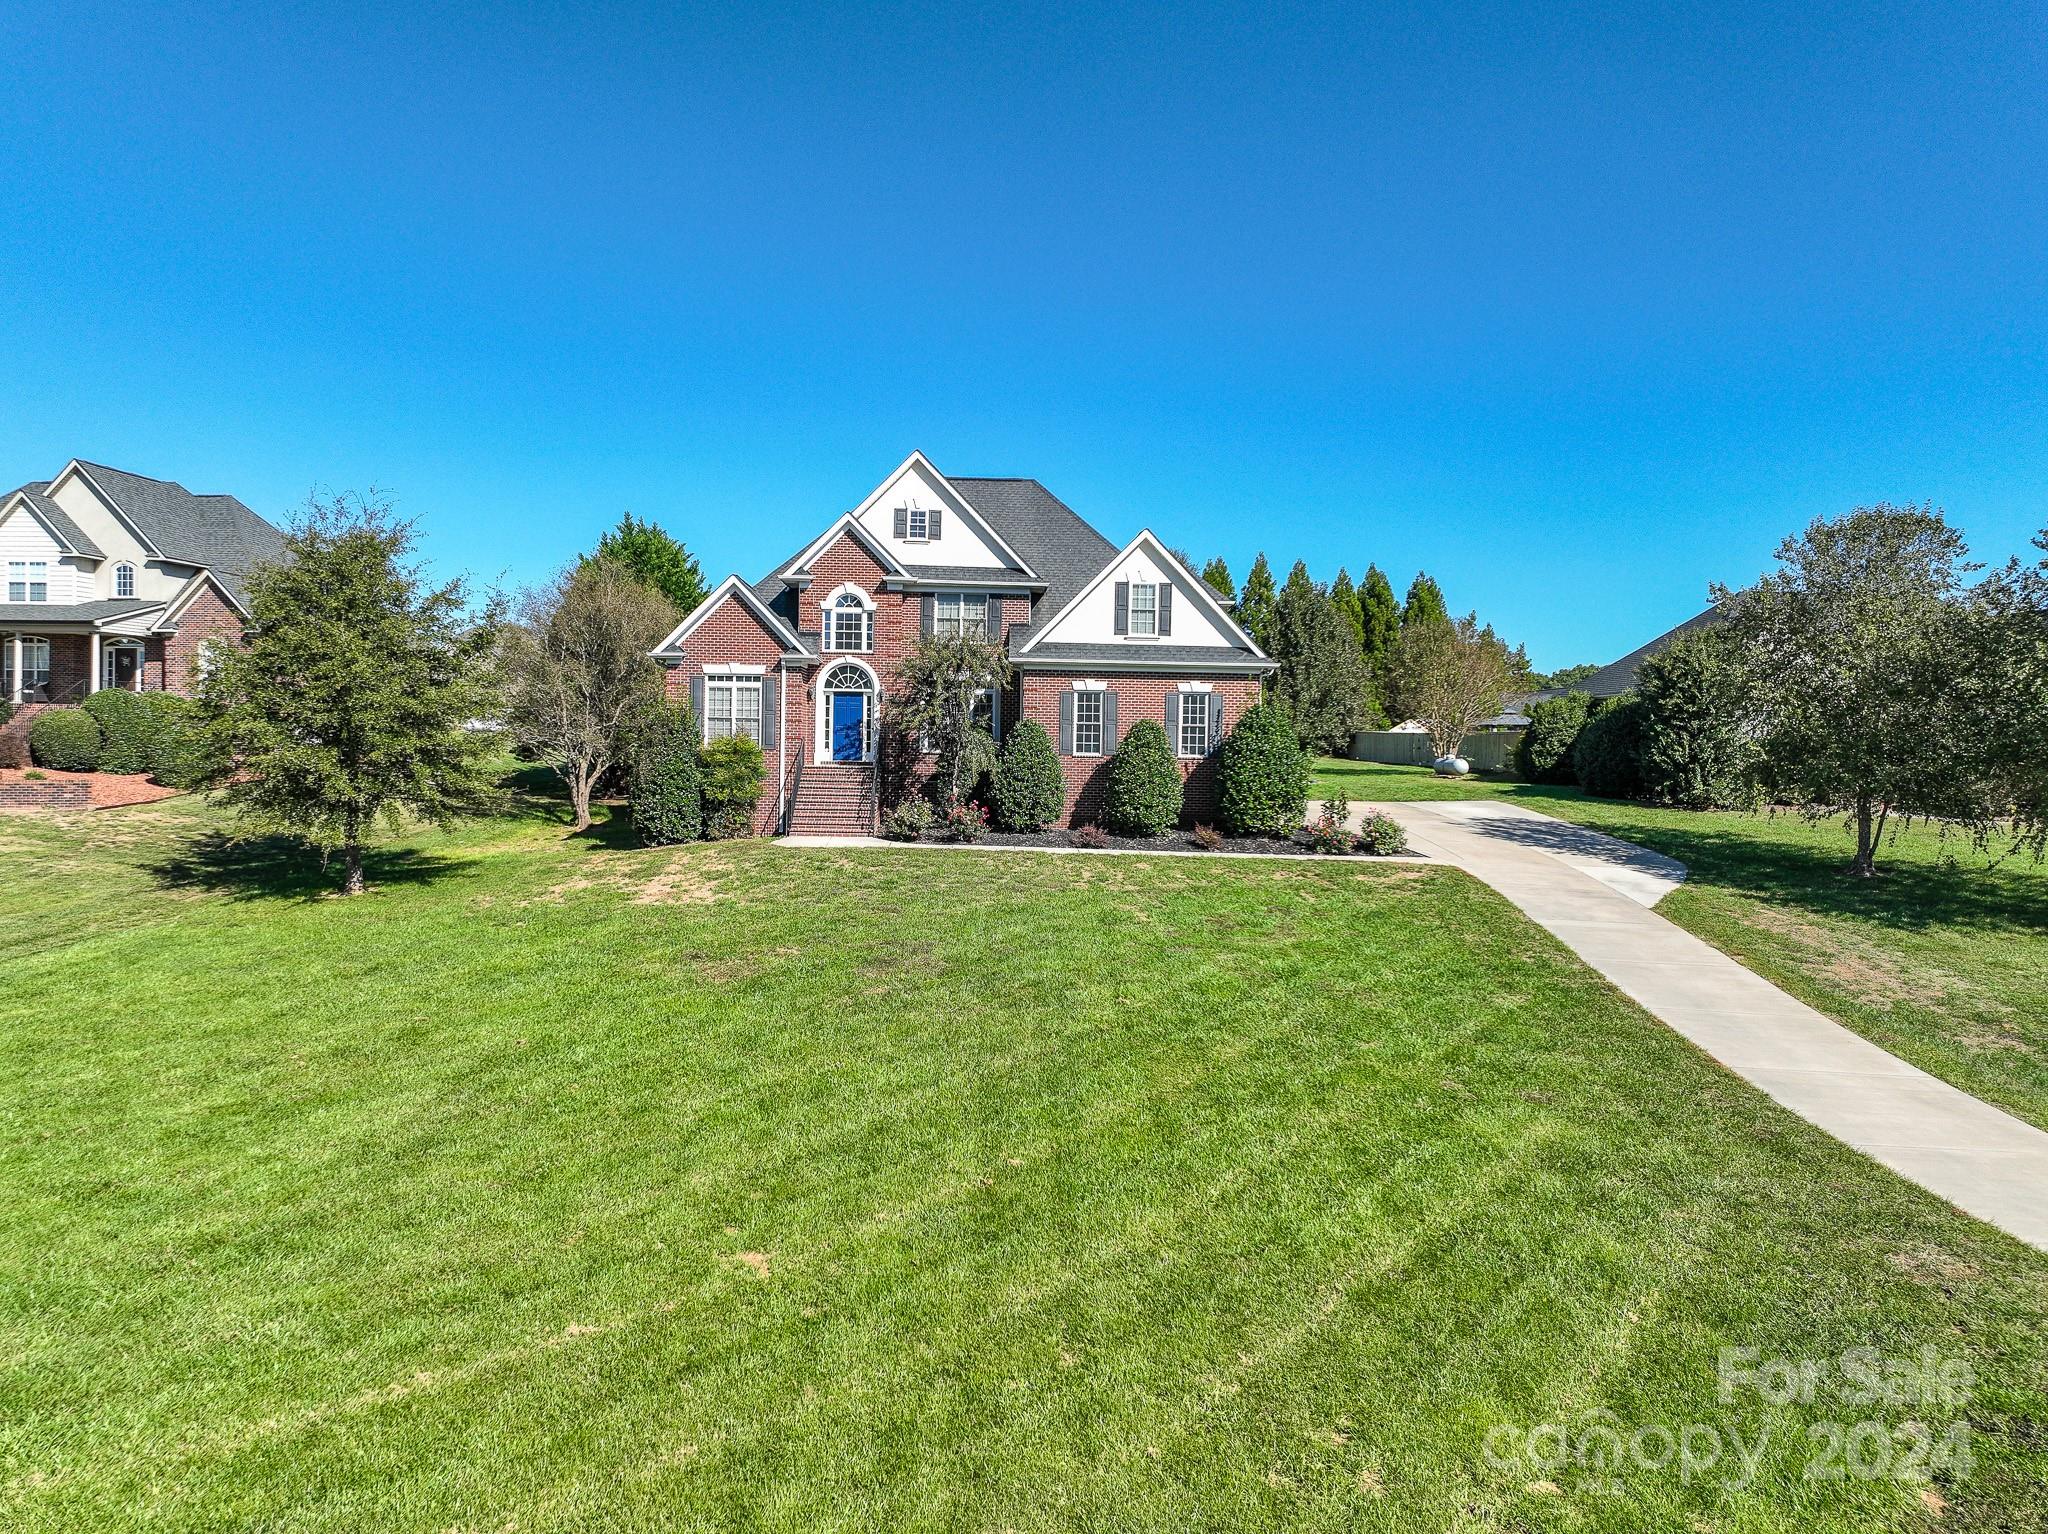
(1448, 677)
(1321, 680)
(351, 703)
(578, 678)
(1425, 602)
(1380, 621)
(1853, 649)
(1255, 603)
(1217, 574)
(1344, 597)
(657, 559)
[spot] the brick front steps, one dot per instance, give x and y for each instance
(834, 799)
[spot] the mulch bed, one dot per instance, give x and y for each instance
(1177, 841)
(109, 789)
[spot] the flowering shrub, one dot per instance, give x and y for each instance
(909, 820)
(1382, 836)
(1089, 836)
(1330, 831)
(966, 821)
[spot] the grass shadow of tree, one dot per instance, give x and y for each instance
(284, 868)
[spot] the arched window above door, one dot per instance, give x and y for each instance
(847, 677)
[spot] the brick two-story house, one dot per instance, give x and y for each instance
(117, 580)
(1099, 637)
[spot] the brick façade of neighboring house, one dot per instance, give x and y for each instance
(1099, 637)
(115, 579)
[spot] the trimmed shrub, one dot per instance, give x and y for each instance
(668, 789)
(1143, 794)
(1382, 836)
(1544, 753)
(13, 751)
(127, 730)
(178, 752)
(65, 740)
(1262, 775)
(909, 821)
(6, 711)
(1699, 750)
(733, 772)
(1608, 755)
(1030, 789)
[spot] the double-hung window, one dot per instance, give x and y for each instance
(1144, 609)
(1194, 724)
(957, 615)
(918, 523)
(732, 706)
(28, 580)
(853, 625)
(1087, 724)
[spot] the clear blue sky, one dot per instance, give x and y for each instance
(1579, 308)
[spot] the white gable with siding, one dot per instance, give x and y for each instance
(954, 532)
(1099, 615)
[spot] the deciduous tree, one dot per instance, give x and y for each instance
(578, 677)
(1448, 676)
(355, 700)
(932, 703)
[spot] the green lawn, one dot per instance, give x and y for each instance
(1943, 960)
(560, 1186)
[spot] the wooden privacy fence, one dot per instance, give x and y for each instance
(1487, 750)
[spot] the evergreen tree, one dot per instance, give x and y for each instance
(655, 559)
(1380, 620)
(352, 703)
(1217, 574)
(1344, 597)
(1425, 603)
(1255, 602)
(1322, 679)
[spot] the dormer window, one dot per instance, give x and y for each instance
(124, 580)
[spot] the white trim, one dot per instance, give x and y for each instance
(111, 504)
(821, 731)
(1196, 687)
(732, 585)
(1228, 663)
(1090, 685)
(961, 505)
(1168, 563)
(733, 668)
(851, 523)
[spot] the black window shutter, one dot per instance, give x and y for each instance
(1067, 722)
(995, 617)
(767, 713)
(1173, 701)
(925, 619)
(697, 699)
(1165, 609)
(902, 521)
(931, 523)
(1108, 722)
(1123, 607)
(1215, 720)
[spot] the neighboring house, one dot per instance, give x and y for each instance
(1100, 637)
(1612, 681)
(116, 580)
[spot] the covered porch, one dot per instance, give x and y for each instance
(65, 657)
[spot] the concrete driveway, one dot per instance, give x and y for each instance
(1595, 893)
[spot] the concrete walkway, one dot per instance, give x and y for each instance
(1594, 894)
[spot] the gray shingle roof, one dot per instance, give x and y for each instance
(217, 531)
(74, 612)
(1614, 680)
(55, 516)
(1046, 533)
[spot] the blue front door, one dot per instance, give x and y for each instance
(849, 726)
